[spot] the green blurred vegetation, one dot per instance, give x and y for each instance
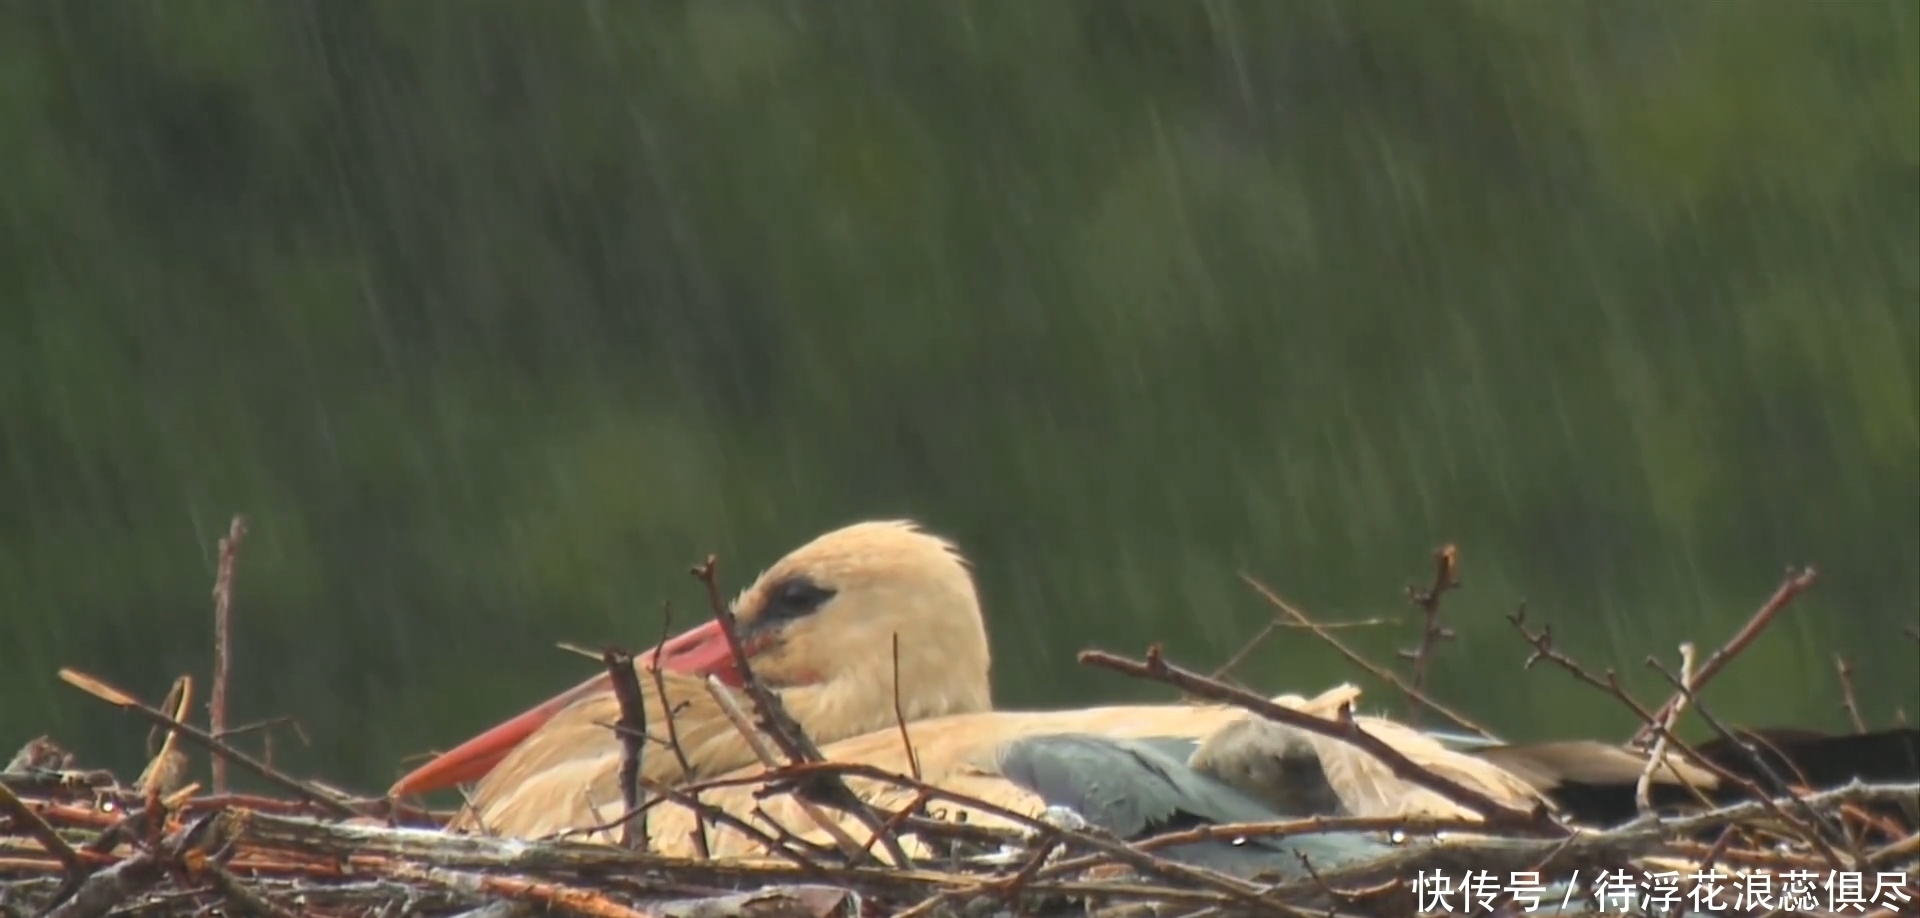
(493, 316)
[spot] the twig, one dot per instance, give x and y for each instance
(178, 704)
(1336, 626)
(1274, 625)
(1446, 576)
(567, 900)
(1240, 656)
(109, 887)
(1009, 891)
(780, 725)
(1312, 825)
(1158, 669)
(1718, 849)
(27, 819)
(1356, 659)
(1113, 850)
(245, 901)
(1543, 649)
(633, 742)
(1848, 701)
(204, 740)
(900, 714)
(1117, 851)
(371, 846)
(167, 767)
(1796, 582)
(1807, 830)
(223, 641)
(291, 723)
(1496, 854)
(704, 812)
(673, 729)
(1657, 756)
(328, 868)
(744, 726)
(1334, 896)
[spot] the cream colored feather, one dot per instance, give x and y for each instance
(959, 754)
(1367, 787)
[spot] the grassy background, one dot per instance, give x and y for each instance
(493, 317)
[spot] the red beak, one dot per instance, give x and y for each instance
(699, 651)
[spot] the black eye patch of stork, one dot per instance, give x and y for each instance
(788, 601)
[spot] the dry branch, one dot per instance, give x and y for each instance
(222, 851)
(223, 642)
(1155, 667)
(1849, 702)
(782, 728)
(81, 843)
(1796, 582)
(1353, 656)
(217, 747)
(633, 741)
(1446, 576)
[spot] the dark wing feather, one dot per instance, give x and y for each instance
(1134, 788)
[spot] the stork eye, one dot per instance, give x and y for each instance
(793, 599)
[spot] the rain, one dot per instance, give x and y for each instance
(494, 318)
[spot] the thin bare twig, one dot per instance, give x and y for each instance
(223, 641)
(780, 725)
(1156, 668)
(1007, 890)
(219, 748)
(1233, 662)
(1657, 756)
(25, 818)
(673, 729)
(755, 743)
(1290, 828)
(1796, 582)
(245, 901)
(1335, 626)
(166, 767)
(291, 723)
(1275, 625)
(1718, 849)
(1111, 849)
(1848, 702)
(1354, 657)
(703, 812)
(105, 889)
(1544, 649)
(900, 714)
(1446, 576)
(1809, 830)
(633, 742)
(108, 888)
(1117, 851)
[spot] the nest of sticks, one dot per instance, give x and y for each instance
(79, 843)
(82, 844)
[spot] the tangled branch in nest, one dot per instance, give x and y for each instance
(75, 845)
(80, 844)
